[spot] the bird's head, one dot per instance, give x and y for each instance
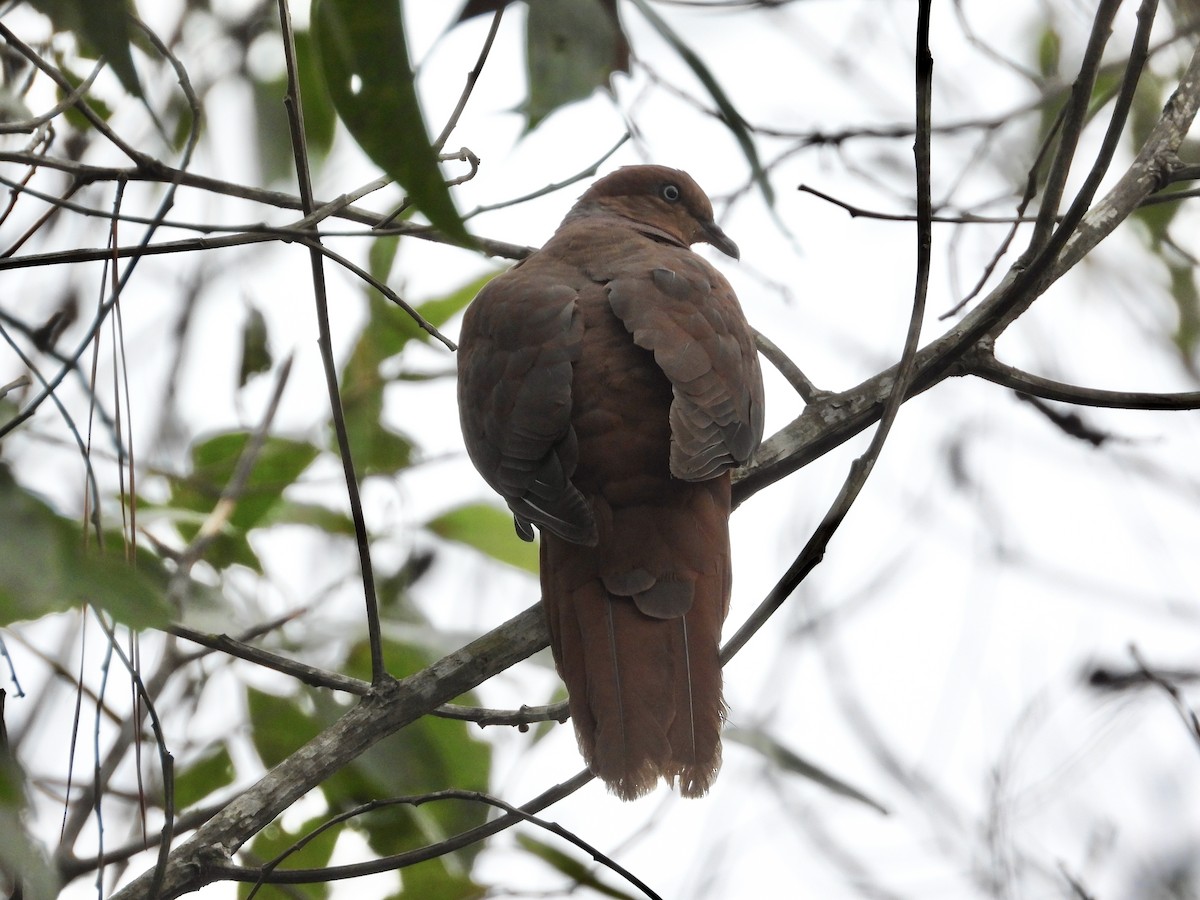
(664, 199)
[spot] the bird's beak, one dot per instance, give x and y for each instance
(719, 239)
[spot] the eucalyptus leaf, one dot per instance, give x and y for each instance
(488, 529)
(45, 567)
(790, 761)
(101, 26)
(572, 47)
(364, 57)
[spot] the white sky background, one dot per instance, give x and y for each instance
(959, 614)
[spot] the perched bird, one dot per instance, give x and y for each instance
(606, 386)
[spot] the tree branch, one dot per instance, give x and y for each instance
(207, 854)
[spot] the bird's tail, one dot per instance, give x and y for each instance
(645, 690)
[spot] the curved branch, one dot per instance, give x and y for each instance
(991, 369)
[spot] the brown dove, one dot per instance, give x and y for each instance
(606, 386)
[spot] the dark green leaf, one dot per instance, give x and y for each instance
(382, 256)
(74, 116)
(256, 352)
(572, 47)
(273, 840)
(435, 880)
(279, 726)
(320, 119)
(488, 529)
(203, 776)
(1049, 52)
(569, 866)
(102, 26)
(278, 464)
(437, 312)
(330, 521)
(1187, 302)
(789, 761)
(480, 7)
(45, 568)
(364, 56)
(430, 754)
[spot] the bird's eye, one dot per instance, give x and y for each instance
(670, 193)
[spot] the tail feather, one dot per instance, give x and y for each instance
(645, 691)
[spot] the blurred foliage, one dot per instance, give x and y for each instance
(488, 529)
(203, 776)
(277, 464)
(103, 28)
(431, 754)
(572, 47)
(274, 141)
(47, 565)
(564, 863)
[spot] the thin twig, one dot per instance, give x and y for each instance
(814, 549)
(588, 172)
(268, 872)
(27, 126)
(325, 343)
(166, 760)
(964, 218)
(94, 119)
(1185, 712)
(1074, 120)
(472, 79)
(310, 675)
(788, 369)
(315, 244)
(522, 718)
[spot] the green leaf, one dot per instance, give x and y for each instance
(382, 256)
(20, 853)
(204, 776)
(439, 311)
(377, 449)
(569, 866)
(289, 512)
(74, 116)
(100, 25)
(278, 464)
(429, 754)
(572, 47)
(278, 725)
(256, 352)
(274, 132)
(1186, 294)
(364, 57)
(275, 839)
(433, 879)
(729, 115)
(45, 568)
(1049, 52)
(488, 529)
(789, 761)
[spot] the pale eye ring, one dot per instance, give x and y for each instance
(670, 193)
